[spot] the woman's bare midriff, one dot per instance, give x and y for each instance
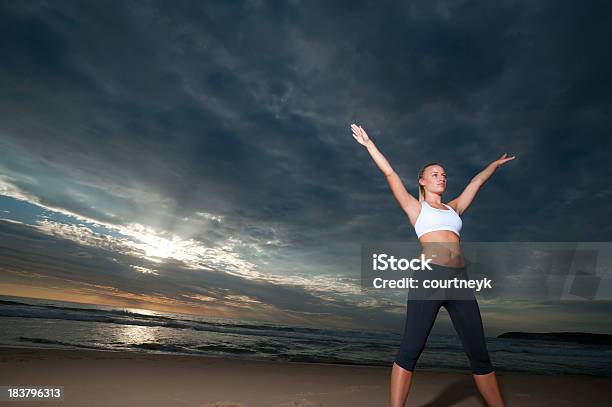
(443, 247)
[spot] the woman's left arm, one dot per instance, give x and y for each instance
(463, 201)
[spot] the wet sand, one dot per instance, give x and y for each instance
(100, 378)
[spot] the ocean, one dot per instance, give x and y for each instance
(38, 323)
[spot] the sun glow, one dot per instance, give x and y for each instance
(157, 248)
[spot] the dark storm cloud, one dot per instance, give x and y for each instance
(244, 108)
(151, 112)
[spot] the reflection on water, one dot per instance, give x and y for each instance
(130, 334)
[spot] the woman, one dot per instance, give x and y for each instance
(439, 224)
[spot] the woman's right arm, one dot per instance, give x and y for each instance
(409, 204)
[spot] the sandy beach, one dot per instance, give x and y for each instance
(96, 378)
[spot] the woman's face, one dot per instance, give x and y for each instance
(434, 179)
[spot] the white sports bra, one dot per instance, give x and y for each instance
(431, 219)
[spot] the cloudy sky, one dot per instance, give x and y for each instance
(197, 156)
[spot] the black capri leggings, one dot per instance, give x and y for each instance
(465, 316)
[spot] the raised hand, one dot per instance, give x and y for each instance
(503, 159)
(360, 135)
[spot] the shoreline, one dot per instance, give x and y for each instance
(254, 359)
(117, 378)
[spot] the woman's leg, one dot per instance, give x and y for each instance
(420, 317)
(465, 315)
(488, 387)
(401, 380)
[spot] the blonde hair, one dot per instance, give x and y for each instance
(421, 187)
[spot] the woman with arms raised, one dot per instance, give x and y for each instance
(438, 226)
